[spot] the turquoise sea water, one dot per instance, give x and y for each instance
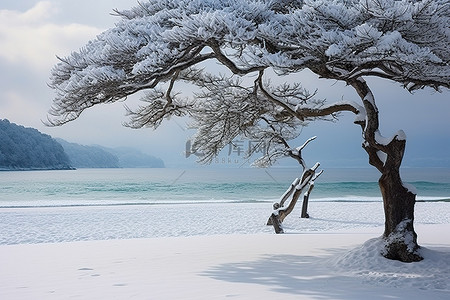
(98, 204)
(85, 187)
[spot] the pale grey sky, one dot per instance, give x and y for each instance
(33, 32)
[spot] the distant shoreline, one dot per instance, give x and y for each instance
(37, 169)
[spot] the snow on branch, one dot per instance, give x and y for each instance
(297, 152)
(399, 136)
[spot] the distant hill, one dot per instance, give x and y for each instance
(28, 149)
(132, 158)
(82, 156)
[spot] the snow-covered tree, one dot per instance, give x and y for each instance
(159, 44)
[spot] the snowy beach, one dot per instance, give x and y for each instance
(123, 234)
(221, 251)
(323, 265)
(68, 224)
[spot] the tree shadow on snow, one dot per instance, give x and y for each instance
(291, 274)
(312, 276)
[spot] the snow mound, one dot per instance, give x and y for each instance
(366, 262)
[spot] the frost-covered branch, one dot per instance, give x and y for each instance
(229, 63)
(156, 45)
(403, 41)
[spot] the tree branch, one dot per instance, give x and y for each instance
(305, 112)
(229, 63)
(271, 97)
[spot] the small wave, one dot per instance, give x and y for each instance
(109, 204)
(350, 198)
(433, 199)
(100, 203)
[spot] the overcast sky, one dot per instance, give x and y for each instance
(33, 32)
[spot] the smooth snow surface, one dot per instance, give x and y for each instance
(325, 265)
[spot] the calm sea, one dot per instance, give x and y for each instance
(107, 187)
(98, 204)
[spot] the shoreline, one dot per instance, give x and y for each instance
(65, 224)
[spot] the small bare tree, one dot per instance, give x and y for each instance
(297, 187)
(160, 43)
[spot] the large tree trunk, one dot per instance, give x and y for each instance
(386, 155)
(400, 237)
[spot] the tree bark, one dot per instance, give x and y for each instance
(400, 237)
(304, 213)
(387, 155)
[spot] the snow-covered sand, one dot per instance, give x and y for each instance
(342, 264)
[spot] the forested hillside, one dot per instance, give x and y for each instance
(82, 156)
(28, 149)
